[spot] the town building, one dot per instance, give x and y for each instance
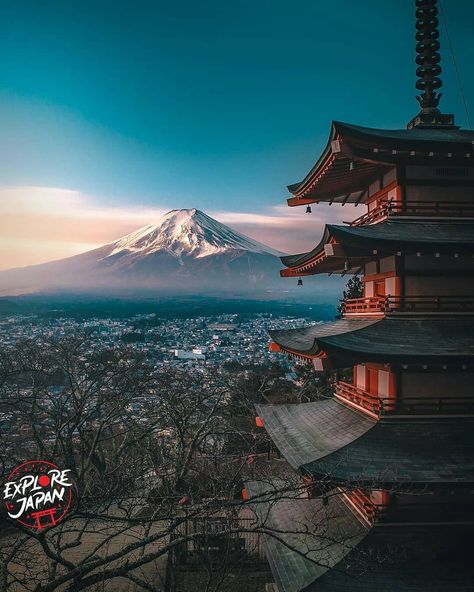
(389, 460)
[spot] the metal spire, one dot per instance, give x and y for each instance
(429, 69)
(427, 53)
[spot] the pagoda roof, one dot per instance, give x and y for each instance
(373, 152)
(383, 340)
(309, 537)
(325, 548)
(389, 236)
(397, 576)
(327, 438)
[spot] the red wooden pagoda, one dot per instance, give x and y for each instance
(390, 458)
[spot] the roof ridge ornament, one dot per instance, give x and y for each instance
(429, 69)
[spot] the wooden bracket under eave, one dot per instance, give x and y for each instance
(301, 201)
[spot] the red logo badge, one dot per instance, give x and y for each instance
(38, 494)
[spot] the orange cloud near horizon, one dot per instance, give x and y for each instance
(39, 224)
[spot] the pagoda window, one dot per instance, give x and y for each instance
(382, 284)
(376, 379)
(374, 389)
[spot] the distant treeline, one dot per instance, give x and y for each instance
(323, 308)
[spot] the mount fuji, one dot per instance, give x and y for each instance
(186, 251)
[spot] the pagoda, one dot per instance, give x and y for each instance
(389, 459)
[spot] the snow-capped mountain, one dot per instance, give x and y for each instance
(185, 251)
(187, 232)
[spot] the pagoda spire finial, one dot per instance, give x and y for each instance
(427, 54)
(428, 71)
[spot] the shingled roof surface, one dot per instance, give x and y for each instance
(402, 340)
(305, 339)
(390, 234)
(327, 438)
(395, 145)
(388, 560)
(314, 537)
(429, 135)
(312, 547)
(309, 431)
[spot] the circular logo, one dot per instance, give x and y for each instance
(38, 494)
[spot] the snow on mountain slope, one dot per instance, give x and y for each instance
(187, 232)
(186, 250)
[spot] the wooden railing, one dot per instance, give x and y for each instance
(380, 305)
(429, 304)
(420, 510)
(359, 306)
(435, 209)
(382, 210)
(361, 398)
(364, 505)
(378, 406)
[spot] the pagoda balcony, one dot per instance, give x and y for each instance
(378, 306)
(377, 406)
(364, 506)
(423, 510)
(414, 209)
(360, 398)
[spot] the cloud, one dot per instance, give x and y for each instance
(290, 230)
(38, 224)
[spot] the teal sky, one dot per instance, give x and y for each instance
(216, 105)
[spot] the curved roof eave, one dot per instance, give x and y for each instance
(372, 340)
(389, 234)
(327, 438)
(355, 140)
(295, 260)
(307, 339)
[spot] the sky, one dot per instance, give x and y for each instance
(114, 112)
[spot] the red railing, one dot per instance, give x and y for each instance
(449, 209)
(362, 398)
(364, 505)
(379, 305)
(358, 306)
(410, 405)
(382, 210)
(417, 511)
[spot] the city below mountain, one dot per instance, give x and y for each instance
(187, 251)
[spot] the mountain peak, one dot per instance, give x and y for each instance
(187, 232)
(184, 251)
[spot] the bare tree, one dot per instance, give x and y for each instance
(156, 465)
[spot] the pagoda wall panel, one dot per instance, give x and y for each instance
(382, 265)
(463, 263)
(371, 268)
(436, 384)
(381, 183)
(417, 193)
(439, 286)
(376, 379)
(387, 264)
(360, 376)
(437, 173)
(368, 289)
